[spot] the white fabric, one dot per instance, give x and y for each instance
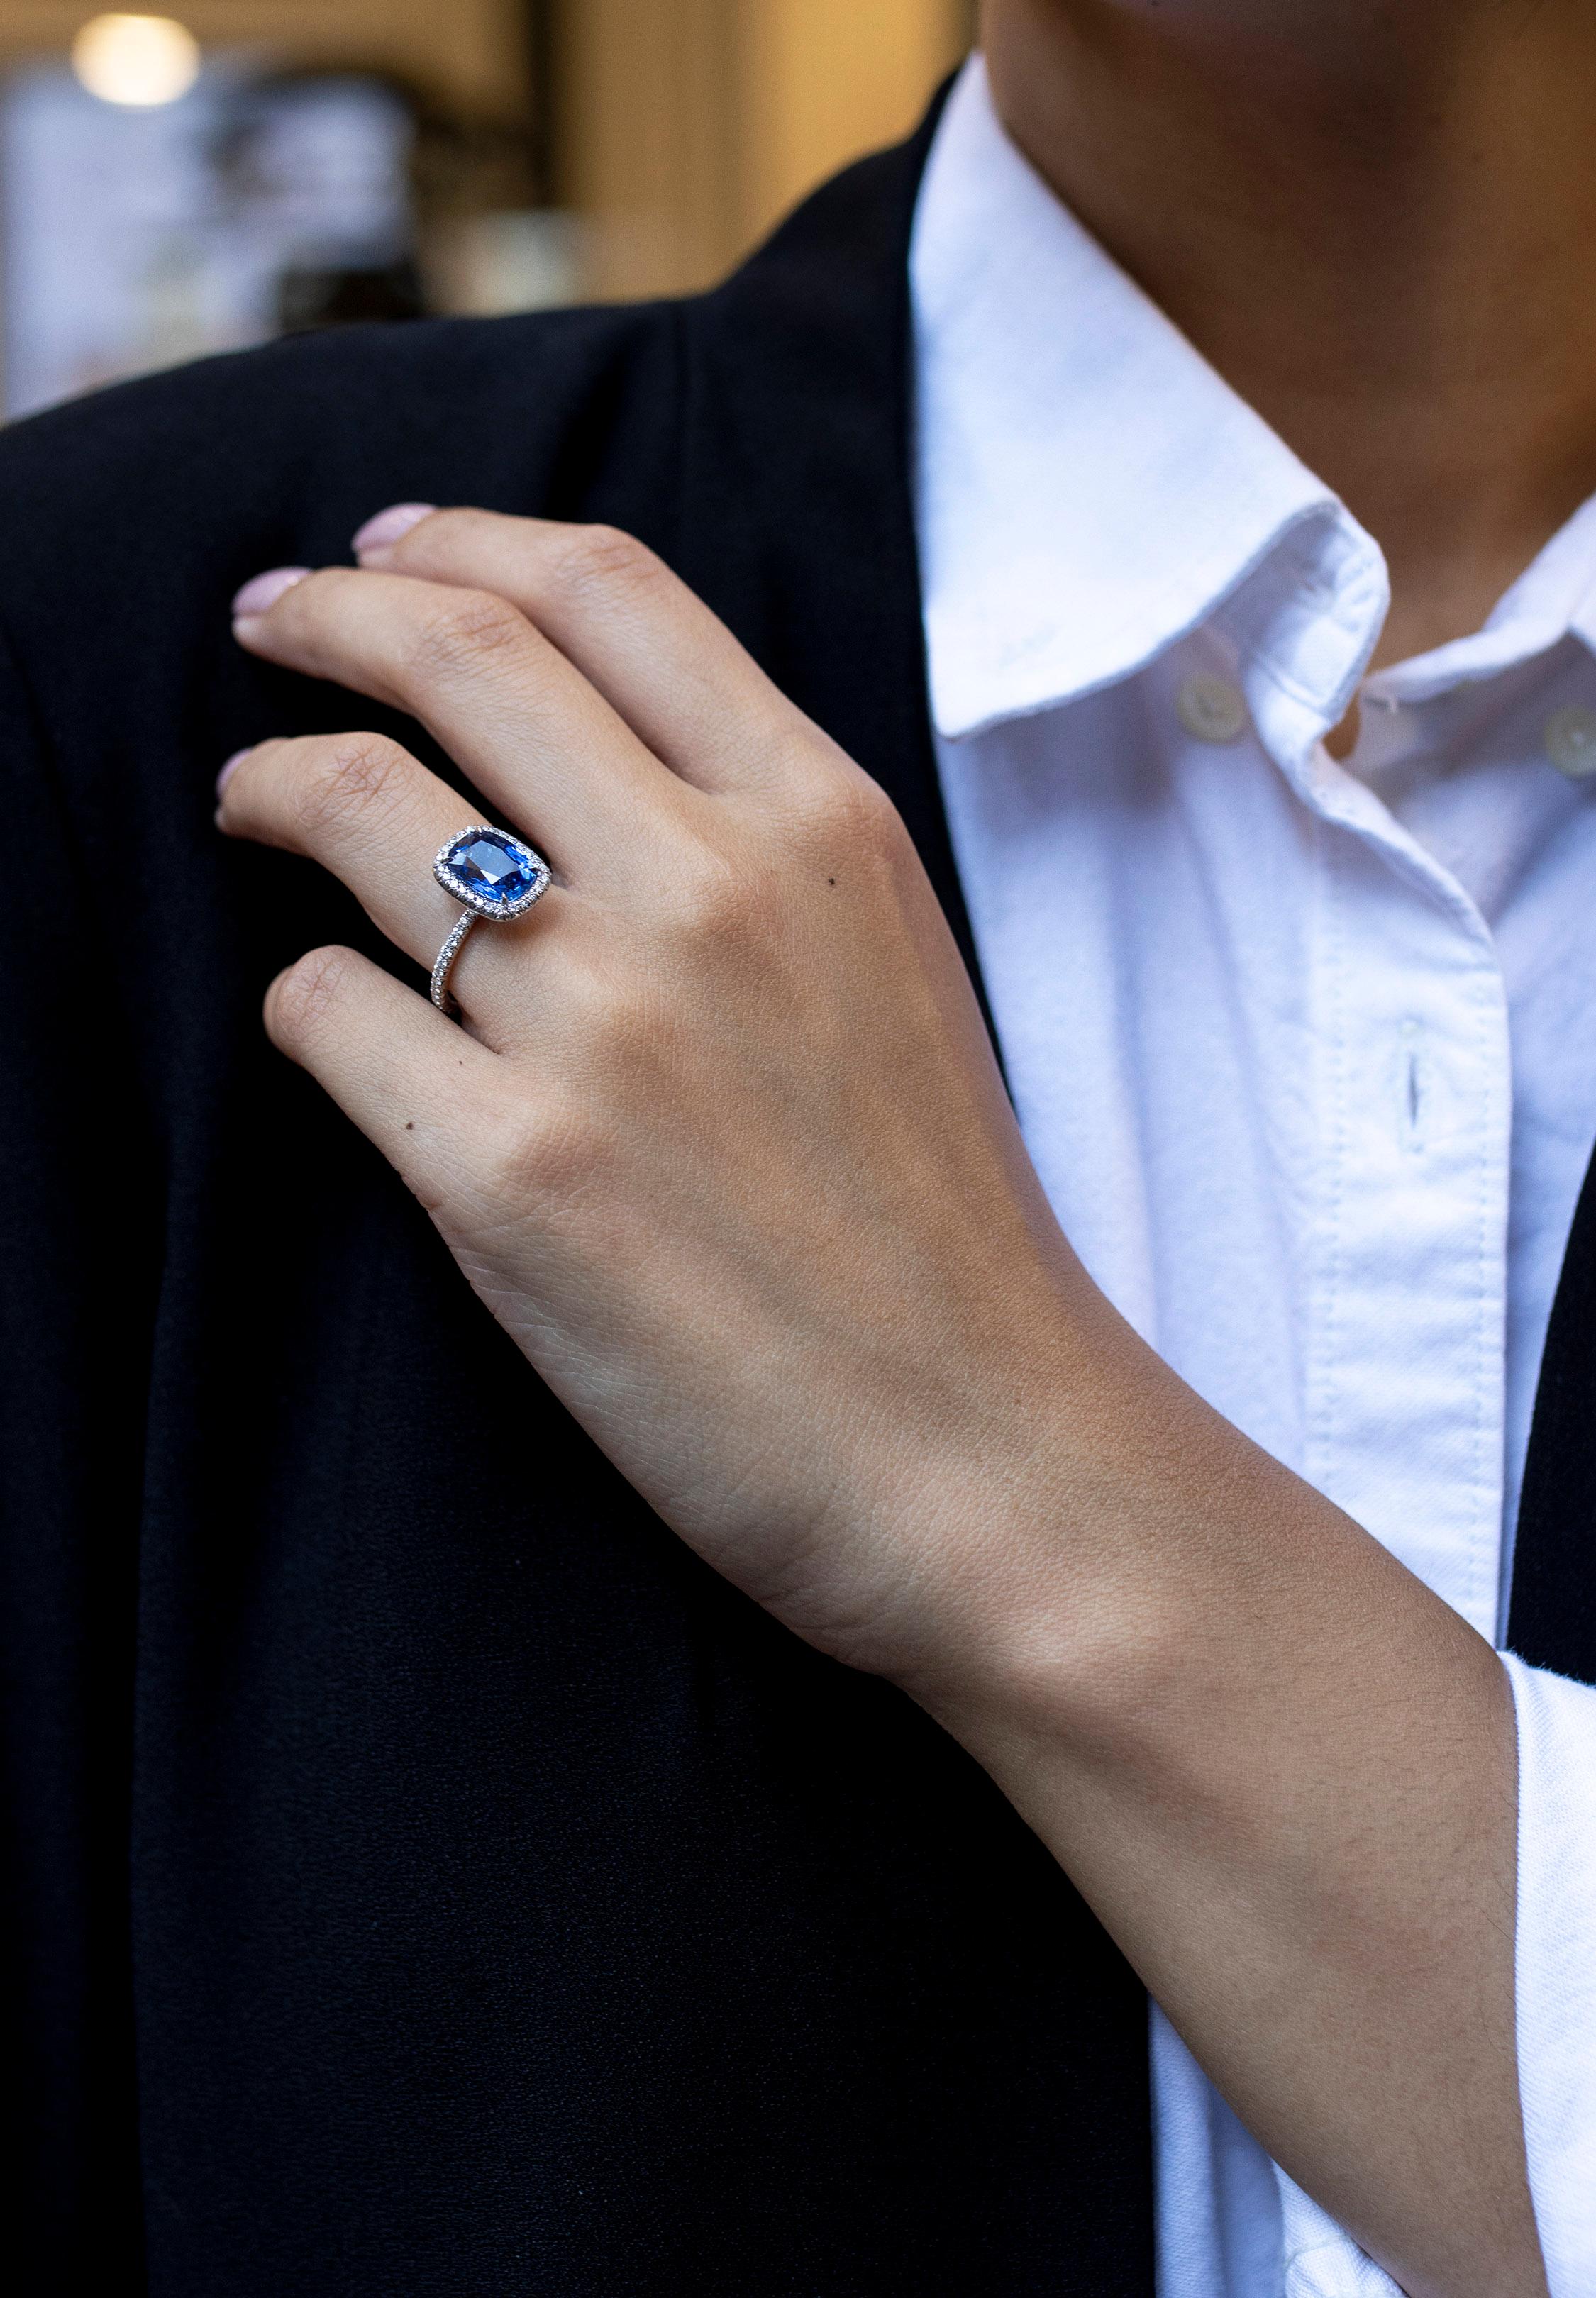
(1304, 1053)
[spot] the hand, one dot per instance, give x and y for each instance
(721, 1143)
(722, 1146)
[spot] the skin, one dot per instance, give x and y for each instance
(722, 1144)
(1378, 220)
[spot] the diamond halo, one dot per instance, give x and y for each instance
(492, 874)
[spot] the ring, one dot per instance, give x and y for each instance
(494, 876)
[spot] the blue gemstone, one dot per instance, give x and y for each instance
(496, 868)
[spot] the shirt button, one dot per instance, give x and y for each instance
(1570, 738)
(1213, 710)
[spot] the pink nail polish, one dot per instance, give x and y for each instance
(226, 775)
(266, 590)
(389, 527)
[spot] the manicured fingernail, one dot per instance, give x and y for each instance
(389, 527)
(266, 590)
(227, 773)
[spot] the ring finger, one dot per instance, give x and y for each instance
(375, 816)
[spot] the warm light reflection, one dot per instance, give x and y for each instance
(140, 61)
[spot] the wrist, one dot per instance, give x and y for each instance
(1126, 1558)
(1032, 1593)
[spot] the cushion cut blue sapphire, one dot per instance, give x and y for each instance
(495, 869)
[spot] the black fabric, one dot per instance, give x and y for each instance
(1552, 1620)
(423, 1877)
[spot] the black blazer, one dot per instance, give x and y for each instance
(426, 1878)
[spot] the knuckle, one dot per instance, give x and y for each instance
(455, 638)
(604, 559)
(537, 1153)
(305, 996)
(842, 818)
(345, 777)
(716, 898)
(848, 805)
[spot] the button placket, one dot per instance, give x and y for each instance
(1408, 1267)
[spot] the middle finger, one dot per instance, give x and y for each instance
(529, 732)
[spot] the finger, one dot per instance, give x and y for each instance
(656, 652)
(423, 1091)
(375, 816)
(527, 728)
(364, 809)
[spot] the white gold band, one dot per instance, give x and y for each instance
(451, 950)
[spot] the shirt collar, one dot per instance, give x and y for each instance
(1554, 598)
(1090, 490)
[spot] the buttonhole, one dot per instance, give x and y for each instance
(1415, 1082)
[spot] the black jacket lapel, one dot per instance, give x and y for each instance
(797, 513)
(1552, 1618)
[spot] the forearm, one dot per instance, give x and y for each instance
(1283, 1773)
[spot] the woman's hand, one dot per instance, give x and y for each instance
(723, 1144)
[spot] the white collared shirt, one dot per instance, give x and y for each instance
(1304, 1053)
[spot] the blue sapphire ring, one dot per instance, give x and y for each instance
(494, 875)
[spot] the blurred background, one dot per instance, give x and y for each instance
(174, 185)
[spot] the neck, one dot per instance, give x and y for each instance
(1378, 224)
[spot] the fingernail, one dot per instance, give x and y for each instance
(227, 773)
(266, 590)
(389, 527)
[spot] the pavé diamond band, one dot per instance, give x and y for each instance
(494, 875)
